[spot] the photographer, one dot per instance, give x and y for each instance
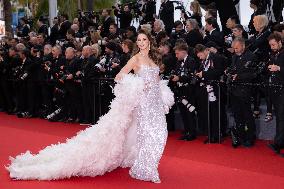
(185, 89)
(26, 83)
(240, 72)
(8, 65)
(5, 102)
(167, 68)
(65, 25)
(43, 77)
(125, 16)
(148, 11)
(42, 28)
(107, 20)
(178, 33)
(210, 72)
(87, 19)
(276, 73)
(88, 75)
(23, 29)
(108, 66)
(72, 87)
(167, 15)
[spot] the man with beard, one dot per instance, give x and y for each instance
(276, 73)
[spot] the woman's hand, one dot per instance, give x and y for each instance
(118, 77)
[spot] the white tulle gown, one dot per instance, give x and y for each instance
(132, 134)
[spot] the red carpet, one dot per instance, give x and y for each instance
(191, 165)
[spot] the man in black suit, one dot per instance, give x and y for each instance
(242, 71)
(148, 11)
(167, 15)
(64, 26)
(42, 28)
(124, 15)
(54, 31)
(185, 92)
(89, 73)
(24, 29)
(72, 87)
(7, 67)
(107, 20)
(26, 81)
(211, 69)
(276, 73)
(213, 34)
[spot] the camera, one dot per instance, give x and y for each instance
(102, 63)
(194, 79)
(230, 72)
(211, 95)
(24, 76)
(181, 7)
(189, 106)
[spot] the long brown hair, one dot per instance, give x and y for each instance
(153, 52)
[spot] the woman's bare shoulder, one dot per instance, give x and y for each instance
(134, 59)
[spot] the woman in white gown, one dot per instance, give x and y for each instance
(132, 134)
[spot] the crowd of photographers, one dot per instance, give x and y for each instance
(67, 74)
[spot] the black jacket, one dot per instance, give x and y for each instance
(43, 29)
(105, 26)
(89, 69)
(64, 27)
(149, 9)
(167, 14)
(216, 36)
(193, 38)
(217, 64)
(258, 44)
(125, 18)
(277, 59)
(54, 34)
(243, 66)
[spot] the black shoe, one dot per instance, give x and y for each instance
(248, 144)
(28, 115)
(274, 147)
(187, 136)
(21, 114)
(235, 140)
(190, 138)
(69, 120)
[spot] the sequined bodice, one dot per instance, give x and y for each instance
(149, 74)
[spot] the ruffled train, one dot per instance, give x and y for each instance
(96, 150)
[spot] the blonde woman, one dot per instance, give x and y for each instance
(196, 12)
(259, 45)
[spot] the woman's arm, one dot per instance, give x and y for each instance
(126, 69)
